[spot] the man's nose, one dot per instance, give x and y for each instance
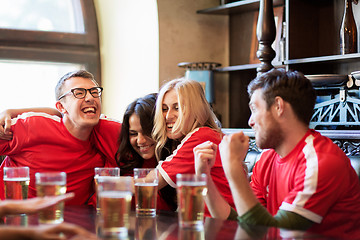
(251, 121)
(88, 96)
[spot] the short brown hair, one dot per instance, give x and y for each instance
(292, 86)
(79, 73)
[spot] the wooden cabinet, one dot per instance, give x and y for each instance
(312, 30)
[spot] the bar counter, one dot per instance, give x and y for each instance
(165, 226)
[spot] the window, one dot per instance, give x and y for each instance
(41, 40)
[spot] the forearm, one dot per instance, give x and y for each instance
(217, 205)
(242, 193)
(4, 208)
(162, 182)
(258, 215)
(15, 233)
(15, 112)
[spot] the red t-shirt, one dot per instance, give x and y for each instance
(316, 181)
(105, 138)
(182, 161)
(43, 143)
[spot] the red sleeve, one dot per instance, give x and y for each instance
(182, 159)
(105, 138)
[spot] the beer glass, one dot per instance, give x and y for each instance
(16, 181)
(146, 187)
(104, 173)
(51, 184)
(191, 190)
(115, 196)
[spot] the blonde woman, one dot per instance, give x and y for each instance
(183, 120)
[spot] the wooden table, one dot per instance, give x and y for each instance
(165, 227)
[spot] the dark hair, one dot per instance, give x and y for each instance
(144, 108)
(292, 86)
(79, 73)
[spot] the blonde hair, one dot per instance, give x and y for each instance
(194, 111)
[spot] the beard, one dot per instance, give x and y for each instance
(271, 137)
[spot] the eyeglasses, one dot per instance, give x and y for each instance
(81, 92)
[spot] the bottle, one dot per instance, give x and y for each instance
(348, 31)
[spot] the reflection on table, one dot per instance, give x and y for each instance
(165, 226)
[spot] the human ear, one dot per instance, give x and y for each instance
(60, 107)
(279, 105)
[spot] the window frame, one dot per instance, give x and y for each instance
(47, 46)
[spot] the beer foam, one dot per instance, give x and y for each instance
(115, 194)
(146, 184)
(192, 184)
(16, 179)
(105, 177)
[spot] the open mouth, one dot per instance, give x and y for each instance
(169, 126)
(89, 110)
(145, 148)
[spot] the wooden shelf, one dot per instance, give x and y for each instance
(354, 57)
(237, 68)
(237, 7)
(244, 67)
(338, 58)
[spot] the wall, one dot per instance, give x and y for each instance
(186, 36)
(129, 46)
(143, 41)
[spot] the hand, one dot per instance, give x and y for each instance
(233, 150)
(205, 156)
(32, 205)
(5, 124)
(54, 232)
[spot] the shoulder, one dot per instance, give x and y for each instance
(108, 123)
(107, 120)
(35, 117)
(323, 146)
(205, 134)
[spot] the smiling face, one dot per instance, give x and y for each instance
(79, 114)
(142, 144)
(170, 110)
(267, 130)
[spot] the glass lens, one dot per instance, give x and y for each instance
(95, 92)
(79, 92)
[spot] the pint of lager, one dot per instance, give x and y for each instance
(115, 196)
(16, 181)
(191, 190)
(103, 173)
(146, 189)
(51, 184)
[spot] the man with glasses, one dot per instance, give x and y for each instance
(71, 143)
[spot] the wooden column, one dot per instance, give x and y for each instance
(265, 32)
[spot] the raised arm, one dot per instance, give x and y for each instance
(233, 149)
(8, 114)
(205, 155)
